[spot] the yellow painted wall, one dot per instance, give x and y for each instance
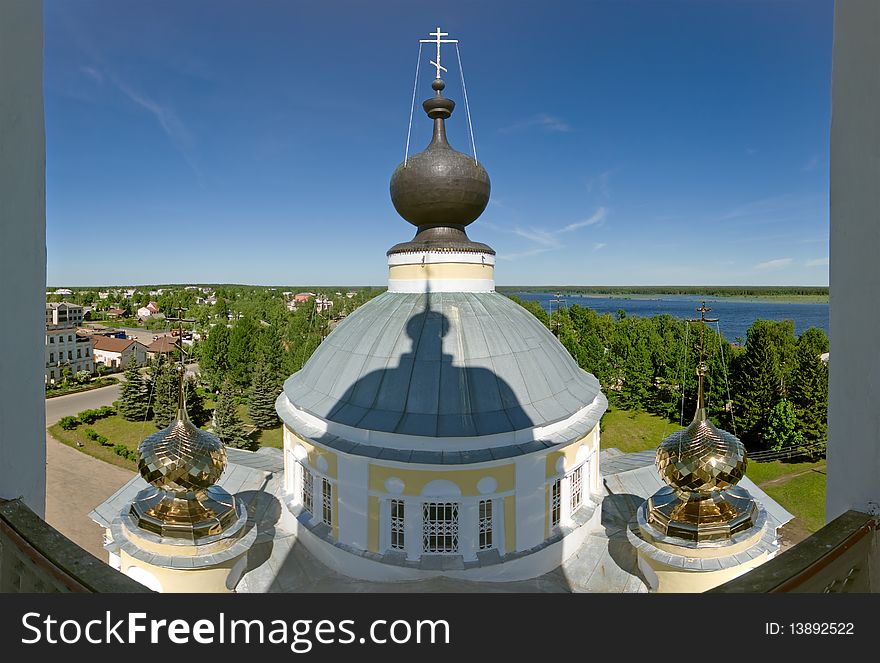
(314, 453)
(373, 524)
(443, 270)
(510, 523)
(466, 480)
(569, 453)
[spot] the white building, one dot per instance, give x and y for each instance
(115, 353)
(64, 348)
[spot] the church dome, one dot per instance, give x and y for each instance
(450, 364)
(440, 186)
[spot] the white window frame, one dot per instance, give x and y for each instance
(442, 527)
(485, 524)
(307, 489)
(576, 489)
(397, 525)
(326, 502)
(556, 502)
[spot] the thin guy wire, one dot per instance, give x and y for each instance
(726, 383)
(412, 107)
(467, 107)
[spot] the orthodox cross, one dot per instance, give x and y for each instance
(180, 369)
(701, 367)
(438, 41)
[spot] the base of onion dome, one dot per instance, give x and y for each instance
(700, 517)
(191, 516)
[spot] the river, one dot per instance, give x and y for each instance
(735, 315)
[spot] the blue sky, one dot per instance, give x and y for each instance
(628, 142)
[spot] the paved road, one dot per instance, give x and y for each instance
(75, 482)
(64, 406)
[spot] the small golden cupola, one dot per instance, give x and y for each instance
(701, 466)
(182, 463)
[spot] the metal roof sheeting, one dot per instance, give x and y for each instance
(441, 365)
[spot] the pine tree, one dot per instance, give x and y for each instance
(809, 387)
(758, 384)
(263, 392)
(227, 424)
(195, 403)
(782, 429)
(134, 394)
(165, 395)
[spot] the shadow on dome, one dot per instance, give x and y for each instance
(426, 395)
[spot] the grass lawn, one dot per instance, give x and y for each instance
(799, 487)
(630, 430)
(116, 429)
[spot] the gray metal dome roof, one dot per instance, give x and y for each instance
(441, 365)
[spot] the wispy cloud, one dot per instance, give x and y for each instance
(770, 265)
(548, 239)
(169, 121)
(599, 184)
(599, 245)
(523, 254)
(751, 151)
(93, 73)
(543, 121)
(811, 163)
(818, 262)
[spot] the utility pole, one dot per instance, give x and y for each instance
(557, 300)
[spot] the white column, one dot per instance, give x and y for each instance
(413, 528)
(353, 504)
(565, 500)
(854, 363)
(498, 525)
(22, 255)
(530, 478)
(468, 529)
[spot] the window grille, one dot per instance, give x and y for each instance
(306, 489)
(576, 489)
(555, 502)
(398, 540)
(485, 531)
(327, 503)
(440, 528)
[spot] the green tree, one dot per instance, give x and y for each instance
(757, 384)
(263, 392)
(165, 396)
(213, 356)
(242, 341)
(227, 424)
(808, 387)
(782, 428)
(134, 399)
(195, 403)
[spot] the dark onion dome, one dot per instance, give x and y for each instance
(440, 190)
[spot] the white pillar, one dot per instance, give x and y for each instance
(854, 364)
(468, 530)
(530, 478)
(412, 512)
(353, 504)
(498, 525)
(22, 255)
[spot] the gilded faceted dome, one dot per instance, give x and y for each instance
(701, 459)
(181, 458)
(440, 186)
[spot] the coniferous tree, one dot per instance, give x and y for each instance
(134, 394)
(758, 384)
(808, 388)
(263, 392)
(213, 355)
(242, 340)
(195, 403)
(165, 396)
(227, 424)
